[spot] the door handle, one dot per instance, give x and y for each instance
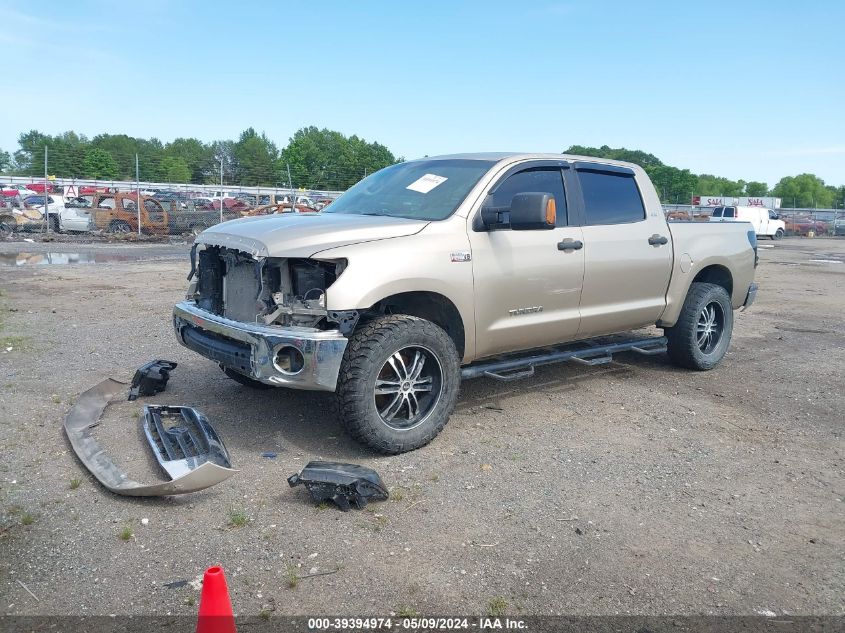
(658, 240)
(570, 245)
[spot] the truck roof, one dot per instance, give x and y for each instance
(495, 157)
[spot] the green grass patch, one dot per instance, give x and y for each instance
(291, 577)
(15, 342)
(238, 519)
(497, 607)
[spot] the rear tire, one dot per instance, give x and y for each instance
(700, 337)
(246, 381)
(398, 383)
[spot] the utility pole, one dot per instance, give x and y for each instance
(221, 188)
(138, 192)
(290, 184)
(46, 196)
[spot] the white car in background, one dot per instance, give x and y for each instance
(62, 218)
(766, 222)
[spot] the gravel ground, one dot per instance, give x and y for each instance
(631, 488)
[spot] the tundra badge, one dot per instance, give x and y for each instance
(519, 311)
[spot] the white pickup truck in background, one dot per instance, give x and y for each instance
(766, 222)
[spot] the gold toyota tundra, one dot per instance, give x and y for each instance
(441, 269)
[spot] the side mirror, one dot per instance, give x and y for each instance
(533, 211)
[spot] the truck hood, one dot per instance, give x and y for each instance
(304, 234)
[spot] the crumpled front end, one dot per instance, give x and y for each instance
(265, 317)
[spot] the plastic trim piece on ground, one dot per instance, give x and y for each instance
(151, 378)
(85, 415)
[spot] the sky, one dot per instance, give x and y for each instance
(741, 89)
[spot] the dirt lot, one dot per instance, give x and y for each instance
(630, 488)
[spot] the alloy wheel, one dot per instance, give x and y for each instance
(710, 326)
(408, 387)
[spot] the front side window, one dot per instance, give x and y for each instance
(729, 212)
(610, 198)
(542, 180)
(418, 190)
(717, 212)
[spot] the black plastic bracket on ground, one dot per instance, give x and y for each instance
(592, 352)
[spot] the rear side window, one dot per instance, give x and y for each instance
(531, 180)
(610, 198)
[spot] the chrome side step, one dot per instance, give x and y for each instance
(590, 352)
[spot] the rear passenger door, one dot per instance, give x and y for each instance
(627, 253)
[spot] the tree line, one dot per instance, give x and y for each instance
(677, 186)
(313, 159)
(325, 159)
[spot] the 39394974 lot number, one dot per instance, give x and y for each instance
(410, 624)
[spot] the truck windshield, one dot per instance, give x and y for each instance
(419, 190)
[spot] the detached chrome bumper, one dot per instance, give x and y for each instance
(749, 298)
(251, 349)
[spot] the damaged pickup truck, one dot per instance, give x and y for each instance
(439, 269)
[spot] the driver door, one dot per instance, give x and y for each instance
(527, 284)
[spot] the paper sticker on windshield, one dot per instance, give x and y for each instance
(426, 183)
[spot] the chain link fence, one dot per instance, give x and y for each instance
(111, 208)
(797, 222)
(107, 208)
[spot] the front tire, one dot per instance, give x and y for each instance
(778, 235)
(398, 383)
(700, 337)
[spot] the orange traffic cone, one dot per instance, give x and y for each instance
(215, 614)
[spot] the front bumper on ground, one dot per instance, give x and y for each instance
(752, 294)
(251, 349)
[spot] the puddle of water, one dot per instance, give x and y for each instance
(827, 261)
(61, 259)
